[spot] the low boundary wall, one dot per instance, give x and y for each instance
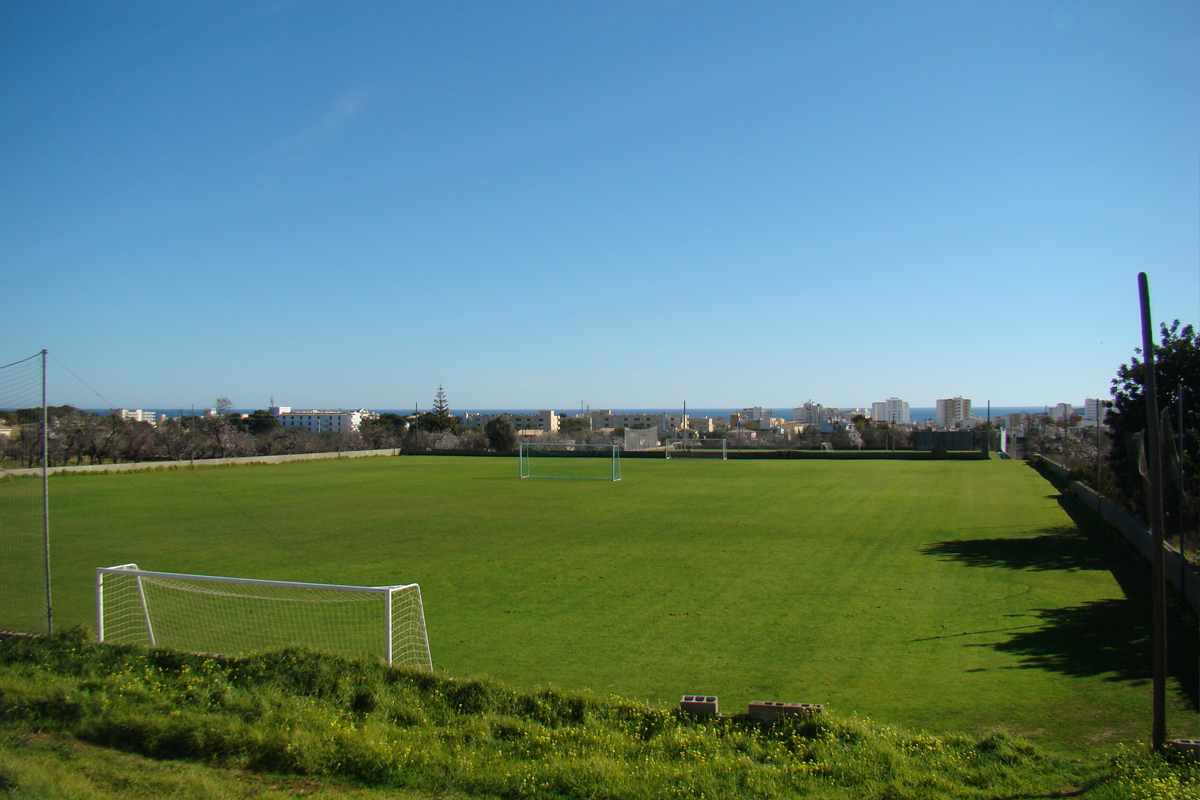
(1179, 573)
(200, 462)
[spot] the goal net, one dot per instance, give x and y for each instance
(697, 448)
(238, 616)
(24, 525)
(641, 439)
(601, 462)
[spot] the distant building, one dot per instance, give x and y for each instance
(137, 415)
(664, 422)
(1062, 412)
(1019, 423)
(323, 421)
(953, 411)
(816, 414)
(1094, 411)
(893, 411)
(542, 422)
(757, 413)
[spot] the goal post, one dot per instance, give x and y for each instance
(697, 448)
(600, 462)
(239, 616)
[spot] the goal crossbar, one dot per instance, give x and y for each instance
(145, 573)
(250, 614)
(570, 461)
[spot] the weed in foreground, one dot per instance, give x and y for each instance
(296, 712)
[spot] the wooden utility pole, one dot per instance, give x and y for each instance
(1158, 734)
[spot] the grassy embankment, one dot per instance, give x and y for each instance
(79, 720)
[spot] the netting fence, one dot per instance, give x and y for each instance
(24, 509)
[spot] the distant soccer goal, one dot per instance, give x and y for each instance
(641, 439)
(697, 448)
(238, 616)
(600, 462)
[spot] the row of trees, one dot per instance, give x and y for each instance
(80, 437)
(1177, 371)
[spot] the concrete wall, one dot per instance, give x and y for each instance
(1183, 576)
(201, 462)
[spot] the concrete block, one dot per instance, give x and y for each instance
(700, 705)
(1189, 747)
(767, 710)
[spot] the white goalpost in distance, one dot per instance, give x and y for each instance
(237, 616)
(697, 448)
(600, 462)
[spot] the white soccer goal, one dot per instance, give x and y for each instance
(697, 448)
(237, 616)
(601, 462)
(641, 439)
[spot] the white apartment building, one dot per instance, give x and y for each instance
(757, 413)
(816, 414)
(323, 421)
(953, 411)
(543, 421)
(701, 424)
(664, 422)
(892, 411)
(1094, 410)
(1018, 423)
(137, 415)
(1062, 412)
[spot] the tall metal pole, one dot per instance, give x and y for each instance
(1159, 732)
(46, 500)
(987, 433)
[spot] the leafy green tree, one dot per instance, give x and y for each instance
(435, 423)
(386, 430)
(573, 425)
(1177, 368)
(500, 433)
(260, 422)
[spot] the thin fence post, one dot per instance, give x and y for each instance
(46, 498)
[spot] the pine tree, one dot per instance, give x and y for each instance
(441, 406)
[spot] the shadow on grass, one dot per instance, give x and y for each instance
(1108, 638)
(1053, 549)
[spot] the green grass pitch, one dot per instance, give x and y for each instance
(941, 595)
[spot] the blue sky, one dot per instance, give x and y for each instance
(625, 204)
